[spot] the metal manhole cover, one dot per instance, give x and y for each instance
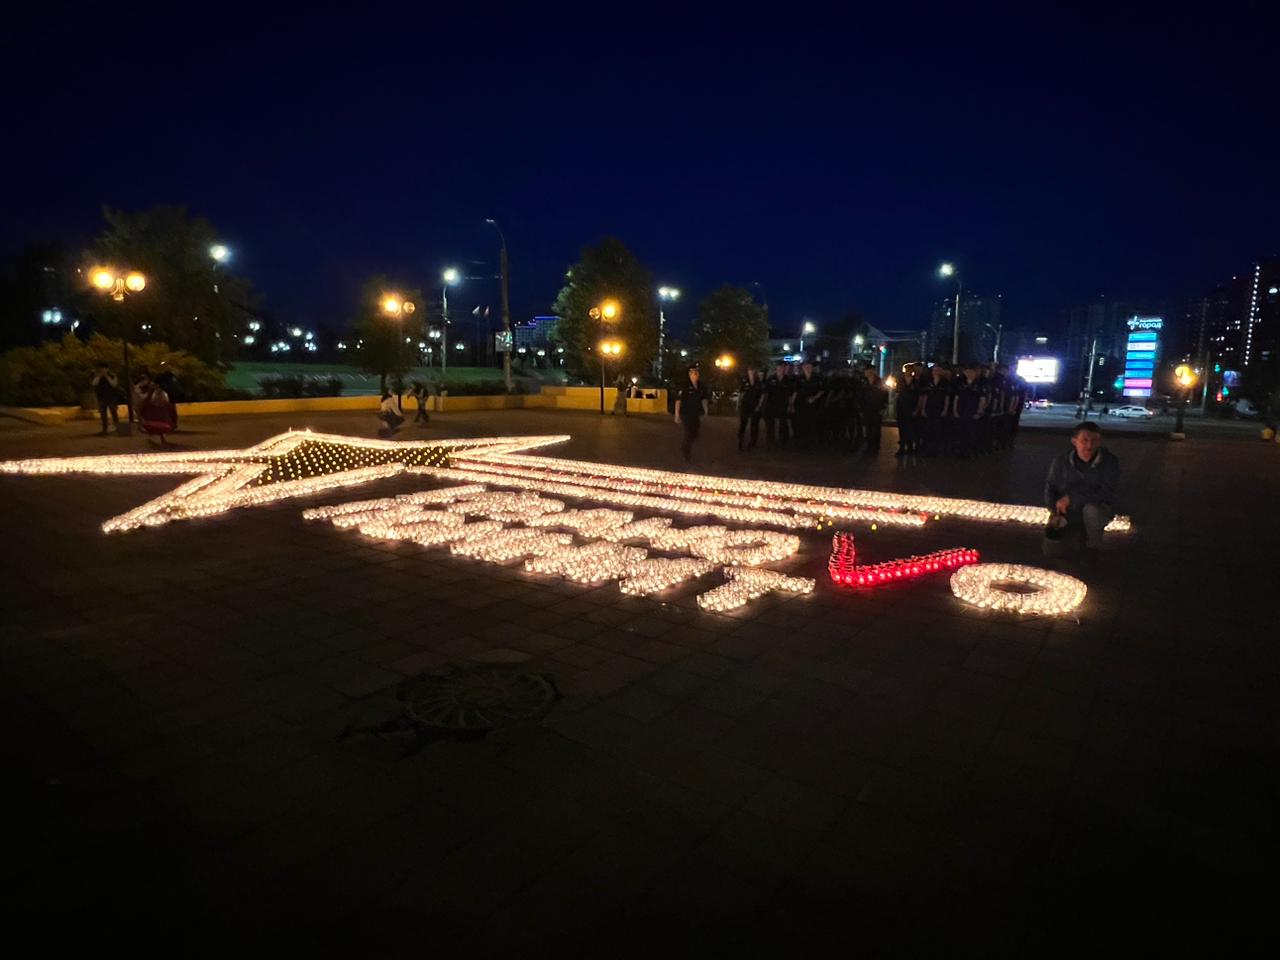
(478, 699)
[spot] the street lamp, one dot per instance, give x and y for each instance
(606, 312)
(807, 329)
(506, 304)
(450, 277)
(118, 287)
(947, 271)
(220, 253)
(664, 294)
(394, 306)
(1186, 377)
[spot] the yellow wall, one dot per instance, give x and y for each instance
(554, 398)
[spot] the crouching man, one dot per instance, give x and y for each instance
(1080, 491)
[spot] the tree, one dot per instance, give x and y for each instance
(607, 271)
(381, 336)
(190, 301)
(730, 321)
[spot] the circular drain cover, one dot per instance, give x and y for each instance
(478, 698)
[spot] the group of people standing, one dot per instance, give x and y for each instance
(154, 400)
(961, 411)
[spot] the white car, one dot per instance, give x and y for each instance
(1043, 404)
(1132, 410)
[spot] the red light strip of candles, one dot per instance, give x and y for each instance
(844, 568)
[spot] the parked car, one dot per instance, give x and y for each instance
(1044, 403)
(1132, 410)
(1245, 410)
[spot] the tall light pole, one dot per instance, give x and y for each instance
(949, 270)
(118, 286)
(995, 351)
(450, 277)
(664, 294)
(506, 306)
(1186, 377)
(219, 253)
(808, 328)
(394, 306)
(607, 312)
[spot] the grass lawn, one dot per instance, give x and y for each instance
(245, 376)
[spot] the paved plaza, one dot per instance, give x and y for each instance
(200, 732)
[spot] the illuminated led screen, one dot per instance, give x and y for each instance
(1038, 369)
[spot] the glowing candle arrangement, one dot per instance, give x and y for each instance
(589, 523)
(771, 496)
(591, 563)
(506, 545)
(1047, 592)
(751, 548)
(907, 568)
(747, 584)
(658, 573)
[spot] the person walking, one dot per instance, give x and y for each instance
(751, 400)
(106, 390)
(390, 413)
(419, 394)
(874, 399)
(619, 396)
(1081, 493)
(691, 406)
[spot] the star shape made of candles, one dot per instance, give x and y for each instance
(292, 464)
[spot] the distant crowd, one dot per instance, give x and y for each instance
(962, 410)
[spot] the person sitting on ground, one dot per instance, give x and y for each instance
(390, 413)
(1080, 492)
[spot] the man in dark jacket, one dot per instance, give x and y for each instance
(1081, 488)
(106, 390)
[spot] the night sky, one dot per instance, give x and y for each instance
(1053, 154)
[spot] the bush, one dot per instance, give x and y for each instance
(60, 373)
(295, 385)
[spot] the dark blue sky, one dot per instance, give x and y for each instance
(1053, 154)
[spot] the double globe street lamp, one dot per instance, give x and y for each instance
(607, 312)
(118, 286)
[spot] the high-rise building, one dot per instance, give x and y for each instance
(1240, 327)
(980, 323)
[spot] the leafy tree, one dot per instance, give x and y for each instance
(190, 301)
(381, 337)
(730, 321)
(607, 271)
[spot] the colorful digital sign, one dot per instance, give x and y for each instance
(1038, 369)
(1142, 353)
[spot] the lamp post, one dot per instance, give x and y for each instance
(450, 277)
(1186, 377)
(397, 308)
(949, 270)
(506, 305)
(608, 348)
(808, 328)
(118, 287)
(664, 294)
(995, 351)
(607, 312)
